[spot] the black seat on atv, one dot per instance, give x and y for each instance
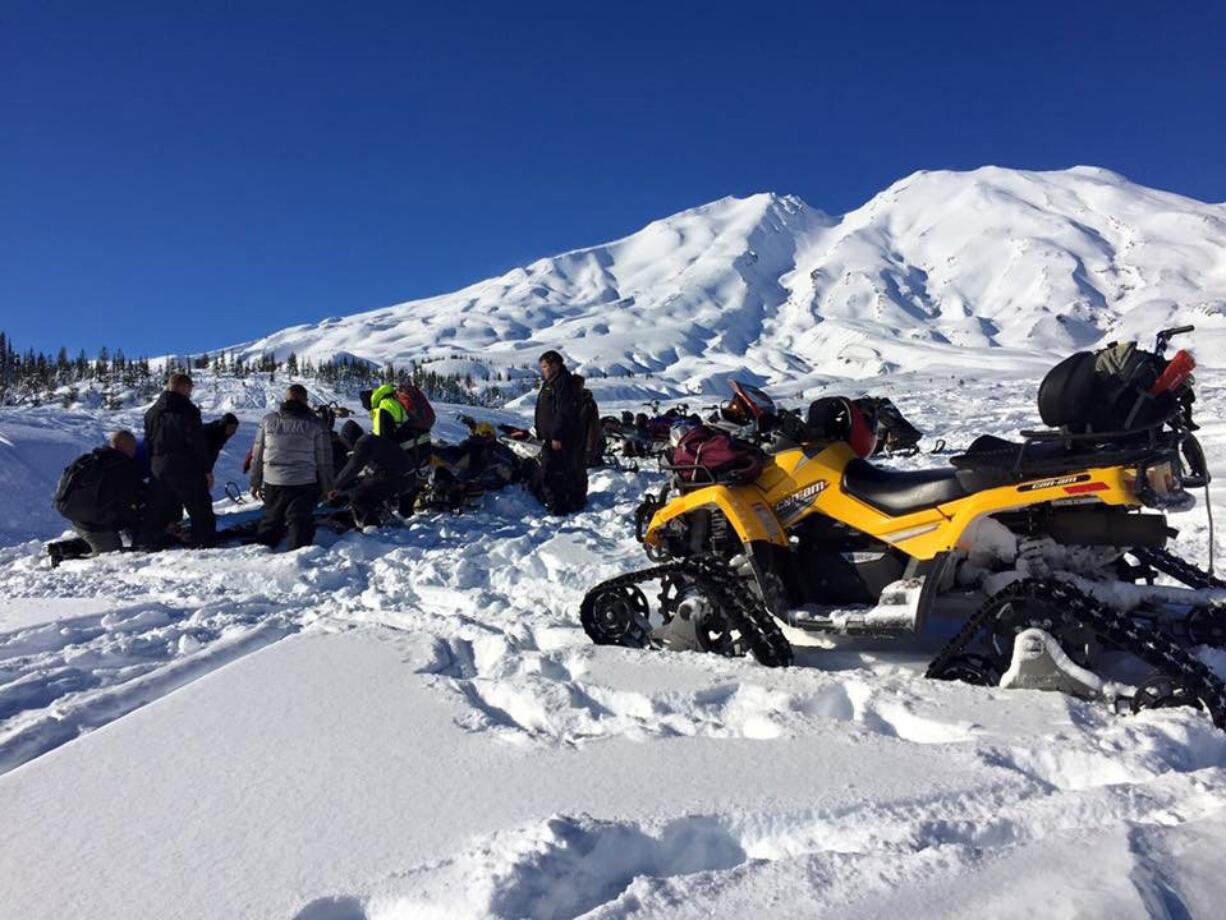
(901, 492)
(990, 453)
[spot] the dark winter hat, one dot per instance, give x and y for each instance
(350, 432)
(229, 419)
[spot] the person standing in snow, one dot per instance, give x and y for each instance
(291, 467)
(561, 480)
(103, 493)
(179, 460)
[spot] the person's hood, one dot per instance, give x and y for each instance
(350, 432)
(388, 390)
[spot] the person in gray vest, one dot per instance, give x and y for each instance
(291, 467)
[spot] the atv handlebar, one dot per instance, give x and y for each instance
(1166, 335)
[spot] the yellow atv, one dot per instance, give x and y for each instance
(1049, 548)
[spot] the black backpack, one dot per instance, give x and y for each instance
(76, 495)
(593, 430)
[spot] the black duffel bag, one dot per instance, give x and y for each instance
(1105, 391)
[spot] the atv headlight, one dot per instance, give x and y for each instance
(1159, 486)
(1161, 479)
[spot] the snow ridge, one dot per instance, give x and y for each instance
(942, 269)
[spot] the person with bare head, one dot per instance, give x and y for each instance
(179, 459)
(123, 441)
(103, 495)
(291, 467)
(561, 479)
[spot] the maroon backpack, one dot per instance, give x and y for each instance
(419, 414)
(725, 458)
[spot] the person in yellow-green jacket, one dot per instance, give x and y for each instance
(403, 414)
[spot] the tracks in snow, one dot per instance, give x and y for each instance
(63, 678)
(696, 865)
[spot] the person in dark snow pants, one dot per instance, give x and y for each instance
(291, 467)
(560, 482)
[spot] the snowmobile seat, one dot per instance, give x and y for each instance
(898, 492)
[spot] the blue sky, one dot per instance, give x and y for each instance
(176, 177)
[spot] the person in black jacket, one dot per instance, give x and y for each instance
(179, 460)
(103, 493)
(217, 433)
(561, 481)
(391, 473)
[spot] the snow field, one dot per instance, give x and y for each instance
(411, 723)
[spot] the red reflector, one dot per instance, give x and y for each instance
(1085, 487)
(1176, 374)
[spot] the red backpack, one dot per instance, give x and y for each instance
(419, 414)
(725, 458)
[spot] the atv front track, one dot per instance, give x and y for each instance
(615, 611)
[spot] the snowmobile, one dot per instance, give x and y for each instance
(460, 473)
(520, 441)
(1048, 548)
(642, 434)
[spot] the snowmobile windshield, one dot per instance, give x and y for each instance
(755, 401)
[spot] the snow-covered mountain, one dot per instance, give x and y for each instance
(942, 269)
(409, 721)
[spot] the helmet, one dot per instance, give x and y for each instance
(485, 430)
(735, 411)
(862, 431)
(839, 418)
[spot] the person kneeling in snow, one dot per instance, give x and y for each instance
(103, 493)
(291, 466)
(391, 473)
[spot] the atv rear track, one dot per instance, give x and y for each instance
(733, 621)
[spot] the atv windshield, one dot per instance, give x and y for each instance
(755, 400)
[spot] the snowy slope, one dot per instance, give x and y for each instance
(942, 269)
(411, 723)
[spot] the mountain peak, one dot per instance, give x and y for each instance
(943, 266)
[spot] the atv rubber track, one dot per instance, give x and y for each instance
(737, 603)
(1169, 564)
(1117, 630)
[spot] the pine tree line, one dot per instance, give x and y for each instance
(35, 378)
